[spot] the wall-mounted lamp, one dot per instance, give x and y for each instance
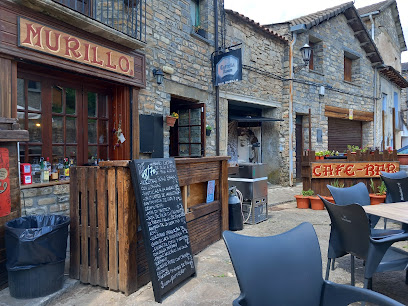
(158, 73)
(306, 52)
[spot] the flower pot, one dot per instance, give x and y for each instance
(317, 157)
(330, 199)
(171, 120)
(376, 199)
(208, 132)
(321, 157)
(403, 159)
(302, 201)
(316, 203)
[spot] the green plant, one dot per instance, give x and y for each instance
(175, 115)
(372, 186)
(382, 189)
(319, 153)
(353, 148)
(364, 149)
(208, 127)
(307, 193)
(337, 184)
(326, 153)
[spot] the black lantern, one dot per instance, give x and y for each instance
(306, 52)
(158, 73)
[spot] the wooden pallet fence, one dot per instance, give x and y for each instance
(103, 228)
(106, 246)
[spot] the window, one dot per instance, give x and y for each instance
(63, 120)
(351, 67)
(347, 69)
(195, 13)
(316, 56)
(187, 137)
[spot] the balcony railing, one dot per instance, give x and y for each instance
(126, 16)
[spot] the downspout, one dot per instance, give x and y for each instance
(375, 85)
(217, 89)
(300, 28)
(291, 109)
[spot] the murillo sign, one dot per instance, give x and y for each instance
(351, 170)
(38, 37)
(228, 67)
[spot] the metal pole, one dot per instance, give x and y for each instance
(291, 109)
(217, 89)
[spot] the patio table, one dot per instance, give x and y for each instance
(395, 211)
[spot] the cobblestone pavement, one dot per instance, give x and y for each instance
(215, 283)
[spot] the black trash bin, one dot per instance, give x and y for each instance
(36, 250)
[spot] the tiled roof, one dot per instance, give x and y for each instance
(353, 20)
(394, 76)
(404, 66)
(320, 16)
(374, 7)
(380, 6)
(256, 24)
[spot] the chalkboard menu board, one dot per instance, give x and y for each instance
(163, 223)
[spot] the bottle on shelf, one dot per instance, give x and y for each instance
(54, 171)
(66, 168)
(45, 177)
(36, 171)
(48, 164)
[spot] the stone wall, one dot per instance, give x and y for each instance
(53, 199)
(172, 42)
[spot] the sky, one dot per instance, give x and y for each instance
(267, 11)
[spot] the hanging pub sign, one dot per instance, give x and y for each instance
(228, 67)
(353, 170)
(41, 38)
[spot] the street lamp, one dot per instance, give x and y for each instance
(158, 73)
(306, 53)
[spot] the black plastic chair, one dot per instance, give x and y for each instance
(396, 175)
(286, 269)
(353, 236)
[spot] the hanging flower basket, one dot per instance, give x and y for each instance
(170, 120)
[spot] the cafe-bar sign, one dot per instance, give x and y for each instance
(228, 67)
(38, 37)
(351, 170)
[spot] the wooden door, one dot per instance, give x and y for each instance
(344, 132)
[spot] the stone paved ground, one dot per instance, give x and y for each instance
(215, 283)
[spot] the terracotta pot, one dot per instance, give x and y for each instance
(330, 199)
(321, 157)
(376, 199)
(316, 203)
(317, 157)
(403, 159)
(302, 202)
(170, 120)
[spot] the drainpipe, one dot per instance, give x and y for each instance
(217, 89)
(375, 84)
(372, 26)
(300, 28)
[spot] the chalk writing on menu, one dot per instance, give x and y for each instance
(165, 223)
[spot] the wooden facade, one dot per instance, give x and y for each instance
(318, 184)
(106, 242)
(9, 136)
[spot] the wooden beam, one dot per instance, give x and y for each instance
(343, 113)
(359, 32)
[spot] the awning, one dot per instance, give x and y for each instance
(251, 119)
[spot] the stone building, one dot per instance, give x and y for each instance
(336, 88)
(254, 104)
(383, 22)
(404, 107)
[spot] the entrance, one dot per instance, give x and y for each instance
(67, 117)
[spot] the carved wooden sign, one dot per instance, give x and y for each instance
(41, 38)
(353, 170)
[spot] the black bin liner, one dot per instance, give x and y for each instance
(36, 251)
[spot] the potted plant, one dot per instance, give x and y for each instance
(302, 200)
(379, 196)
(316, 203)
(199, 30)
(208, 130)
(353, 149)
(171, 119)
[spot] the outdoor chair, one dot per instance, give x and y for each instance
(286, 269)
(357, 194)
(351, 228)
(397, 189)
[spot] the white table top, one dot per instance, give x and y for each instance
(395, 211)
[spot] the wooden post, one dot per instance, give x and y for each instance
(310, 129)
(383, 131)
(393, 130)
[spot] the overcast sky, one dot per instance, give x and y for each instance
(267, 11)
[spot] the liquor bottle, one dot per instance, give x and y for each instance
(45, 177)
(48, 164)
(66, 168)
(61, 170)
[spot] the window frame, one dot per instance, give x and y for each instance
(348, 64)
(81, 115)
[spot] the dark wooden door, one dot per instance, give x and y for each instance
(344, 132)
(299, 146)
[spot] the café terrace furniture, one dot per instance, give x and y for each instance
(396, 175)
(352, 228)
(357, 194)
(286, 269)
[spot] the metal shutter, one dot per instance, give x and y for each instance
(344, 132)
